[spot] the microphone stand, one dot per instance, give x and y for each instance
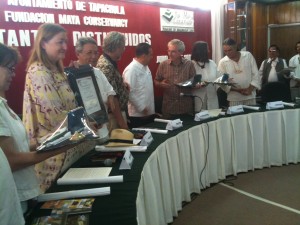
(193, 102)
(194, 105)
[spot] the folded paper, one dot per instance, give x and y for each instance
(174, 124)
(235, 109)
(202, 115)
(126, 161)
(147, 139)
(275, 105)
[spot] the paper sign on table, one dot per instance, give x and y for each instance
(235, 109)
(126, 161)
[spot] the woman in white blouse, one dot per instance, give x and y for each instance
(208, 70)
(14, 139)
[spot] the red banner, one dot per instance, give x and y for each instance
(19, 20)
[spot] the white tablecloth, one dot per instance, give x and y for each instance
(225, 146)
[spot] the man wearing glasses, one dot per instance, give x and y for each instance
(270, 68)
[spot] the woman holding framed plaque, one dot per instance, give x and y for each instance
(48, 98)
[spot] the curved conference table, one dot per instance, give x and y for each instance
(190, 159)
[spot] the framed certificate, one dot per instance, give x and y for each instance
(87, 93)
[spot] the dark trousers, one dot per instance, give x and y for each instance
(140, 121)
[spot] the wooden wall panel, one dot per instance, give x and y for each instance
(284, 13)
(285, 37)
(262, 16)
(258, 32)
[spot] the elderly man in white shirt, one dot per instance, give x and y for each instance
(242, 70)
(141, 96)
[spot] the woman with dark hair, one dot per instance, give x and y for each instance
(10, 208)
(14, 140)
(208, 70)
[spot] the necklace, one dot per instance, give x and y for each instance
(237, 68)
(201, 64)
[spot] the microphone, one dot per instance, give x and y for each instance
(225, 77)
(192, 96)
(106, 162)
(187, 95)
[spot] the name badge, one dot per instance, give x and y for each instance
(235, 109)
(202, 115)
(174, 124)
(275, 105)
(126, 161)
(147, 139)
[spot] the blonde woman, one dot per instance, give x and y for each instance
(48, 97)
